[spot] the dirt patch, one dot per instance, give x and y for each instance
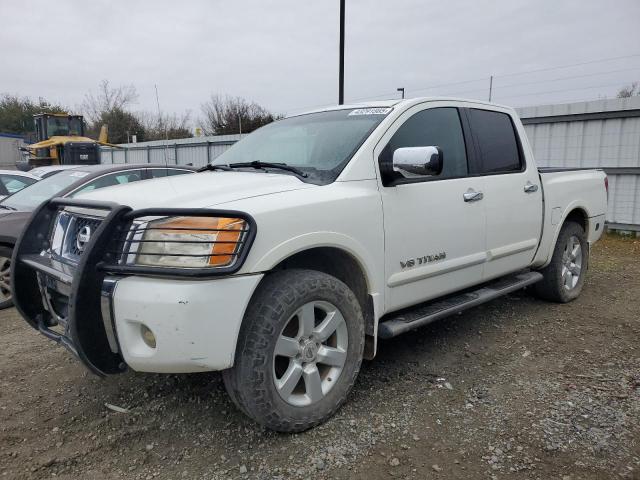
(517, 388)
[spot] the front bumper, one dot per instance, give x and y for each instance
(195, 323)
(97, 309)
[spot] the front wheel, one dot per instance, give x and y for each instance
(299, 351)
(6, 300)
(564, 276)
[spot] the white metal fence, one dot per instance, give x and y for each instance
(9, 150)
(601, 133)
(197, 151)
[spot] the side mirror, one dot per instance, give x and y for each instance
(412, 162)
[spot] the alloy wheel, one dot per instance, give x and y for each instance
(310, 353)
(571, 263)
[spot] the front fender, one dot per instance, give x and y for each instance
(307, 241)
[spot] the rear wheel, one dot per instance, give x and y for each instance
(564, 276)
(299, 351)
(6, 299)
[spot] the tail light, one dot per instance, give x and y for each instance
(606, 185)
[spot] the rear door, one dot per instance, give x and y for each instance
(512, 193)
(434, 239)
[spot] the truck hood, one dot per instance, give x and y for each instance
(197, 190)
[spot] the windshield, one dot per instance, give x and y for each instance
(30, 197)
(63, 126)
(319, 144)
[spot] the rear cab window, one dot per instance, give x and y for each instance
(497, 144)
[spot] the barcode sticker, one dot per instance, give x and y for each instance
(371, 111)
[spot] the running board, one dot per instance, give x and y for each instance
(409, 319)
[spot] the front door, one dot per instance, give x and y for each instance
(434, 233)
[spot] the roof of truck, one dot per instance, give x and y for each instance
(403, 102)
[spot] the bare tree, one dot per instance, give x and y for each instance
(629, 90)
(107, 99)
(165, 126)
(225, 115)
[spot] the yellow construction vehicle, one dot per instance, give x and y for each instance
(60, 140)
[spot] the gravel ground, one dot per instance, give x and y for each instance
(518, 388)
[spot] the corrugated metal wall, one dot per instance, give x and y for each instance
(9, 153)
(602, 133)
(195, 151)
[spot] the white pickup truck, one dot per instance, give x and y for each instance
(287, 257)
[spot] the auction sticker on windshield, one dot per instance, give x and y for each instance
(371, 111)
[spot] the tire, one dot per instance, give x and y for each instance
(6, 299)
(299, 350)
(564, 276)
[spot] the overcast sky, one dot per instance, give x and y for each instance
(284, 54)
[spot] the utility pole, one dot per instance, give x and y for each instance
(341, 55)
(401, 89)
(490, 86)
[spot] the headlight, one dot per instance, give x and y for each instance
(191, 242)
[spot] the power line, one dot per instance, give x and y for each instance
(560, 91)
(558, 79)
(569, 65)
(498, 88)
(486, 79)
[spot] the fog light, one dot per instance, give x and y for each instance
(148, 336)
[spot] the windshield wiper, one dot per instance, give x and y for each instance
(259, 164)
(7, 207)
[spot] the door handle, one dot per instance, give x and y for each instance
(530, 187)
(472, 196)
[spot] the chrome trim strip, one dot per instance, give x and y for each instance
(106, 308)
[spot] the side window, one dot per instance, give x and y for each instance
(496, 139)
(439, 127)
(13, 183)
(110, 180)
(167, 172)
(173, 171)
(157, 172)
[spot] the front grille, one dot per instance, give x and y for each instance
(71, 234)
(78, 234)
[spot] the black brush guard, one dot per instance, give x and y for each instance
(34, 270)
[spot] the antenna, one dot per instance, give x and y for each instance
(166, 135)
(490, 87)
